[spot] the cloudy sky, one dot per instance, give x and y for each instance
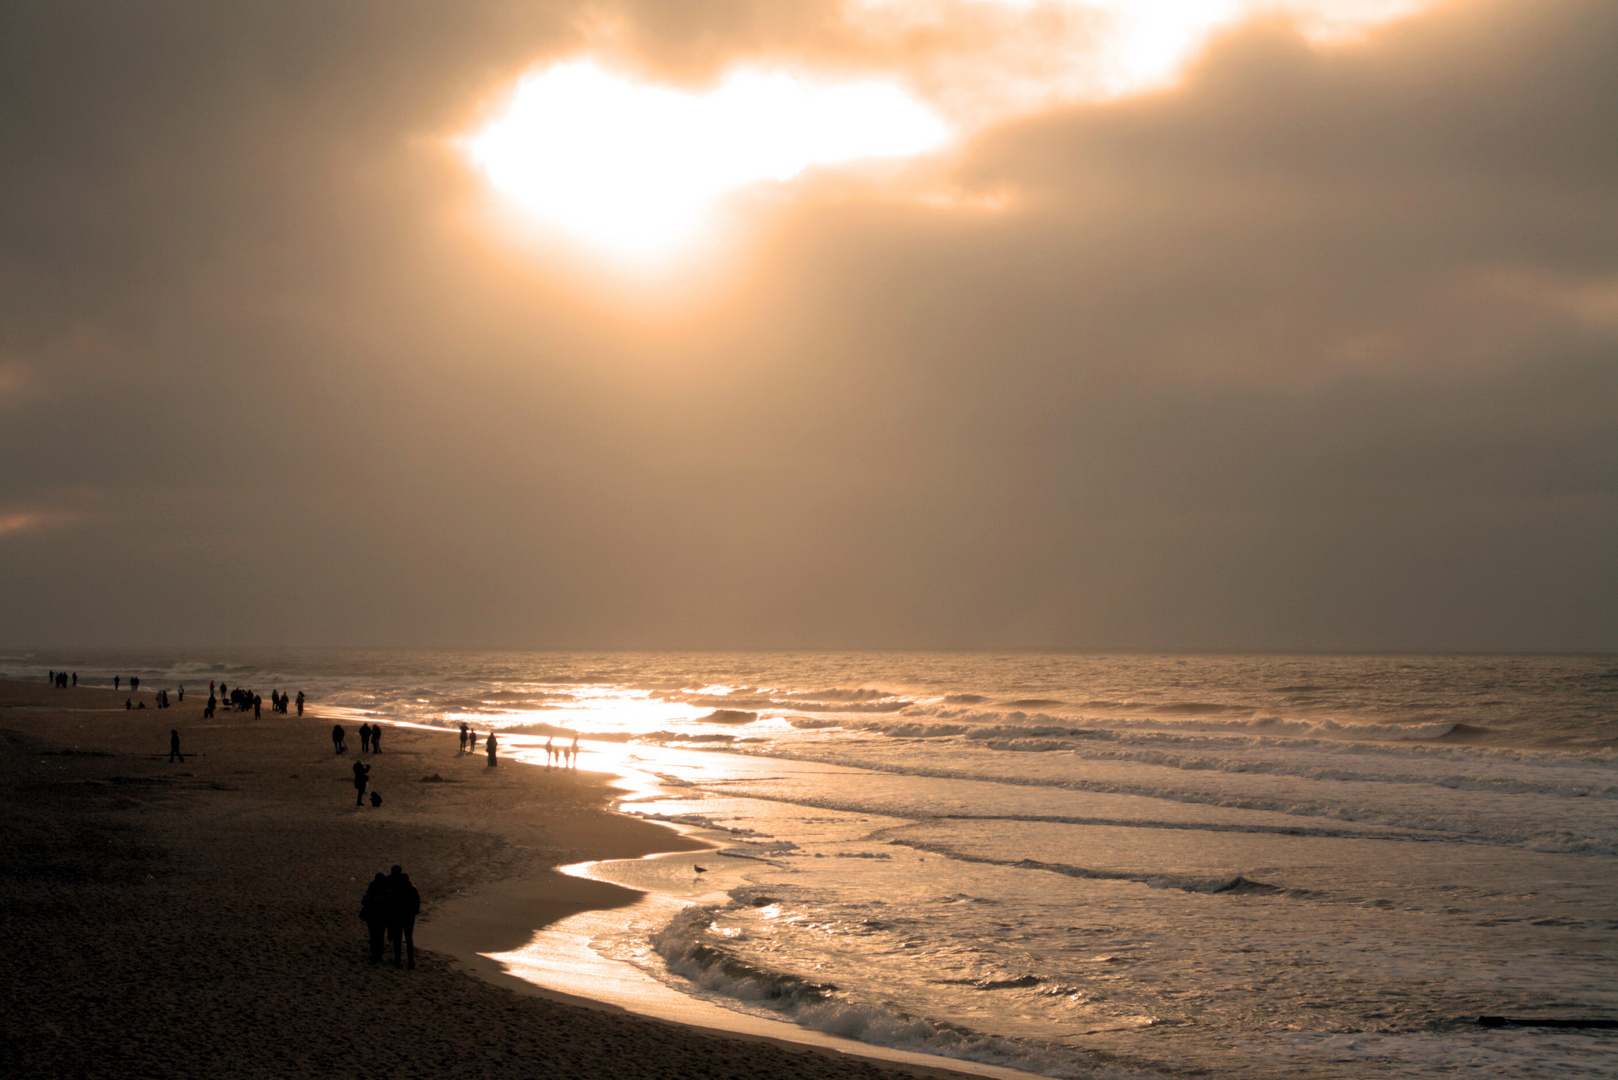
(797, 323)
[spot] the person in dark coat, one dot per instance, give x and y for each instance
(365, 737)
(362, 776)
(404, 904)
(174, 747)
(337, 746)
(376, 738)
(490, 747)
(374, 913)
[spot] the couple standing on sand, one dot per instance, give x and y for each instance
(391, 903)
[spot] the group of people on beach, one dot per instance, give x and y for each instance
(58, 679)
(390, 905)
(469, 744)
(566, 756)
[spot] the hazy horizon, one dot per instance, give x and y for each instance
(935, 325)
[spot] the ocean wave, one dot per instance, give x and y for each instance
(728, 716)
(1226, 884)
(690, 951)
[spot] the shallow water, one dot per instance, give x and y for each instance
(1086, 865)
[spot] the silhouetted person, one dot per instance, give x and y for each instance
(491, 746)
(182, 693)
(374, 911)
(362, 776)
(300, 702)
(174, 747)
(376, 738)
(140, 705)
(403, 904)
(337, 746)
(550, 751)
(258, 703)
(573, 753)
(76, 682)
(207, 710)
(365, 737)
(376, 798)
(466, 739)
(224, 691)
(128, 704)
(134, 682)
(115, 681)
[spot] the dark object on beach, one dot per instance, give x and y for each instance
(491, 746)
(1544, 1021)
(258, 703)
(134, 682)
(300, 702)
(365, 737)
(362, 774)
(373, 912)
(700, 869)
(403, 905)
(466, 738)
(116, 679)
(376, 738)
(174, 747)
(433, 779)
(376, 798)
(128, 704)
(141, 705)
(337, 739)
(76, 682)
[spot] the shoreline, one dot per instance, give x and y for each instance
(198, 916)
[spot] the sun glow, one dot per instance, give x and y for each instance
(638, 170)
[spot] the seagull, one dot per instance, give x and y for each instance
(700, 869)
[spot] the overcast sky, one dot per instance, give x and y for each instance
(1309, 343)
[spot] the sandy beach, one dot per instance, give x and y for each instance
(200, 918)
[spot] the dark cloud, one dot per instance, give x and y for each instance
(1315, 350)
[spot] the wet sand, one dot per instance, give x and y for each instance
(201, 918)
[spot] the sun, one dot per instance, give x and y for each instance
(637, 170)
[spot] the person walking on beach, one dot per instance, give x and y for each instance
(337, 746)
(550, 751)
(362, 776)
(300, 702)
(374, 913)
(76, 682)
(174, 747)
(376, 738)
(573, 753)
(258, 703)
(403, 905)
(365, 737)
(466, 740)
(115, 681)
(491, 746)
(134, 682)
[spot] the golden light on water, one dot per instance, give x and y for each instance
(637, 170)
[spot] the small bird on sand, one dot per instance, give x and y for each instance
(700, 869)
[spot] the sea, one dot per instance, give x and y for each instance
(1076, 865)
